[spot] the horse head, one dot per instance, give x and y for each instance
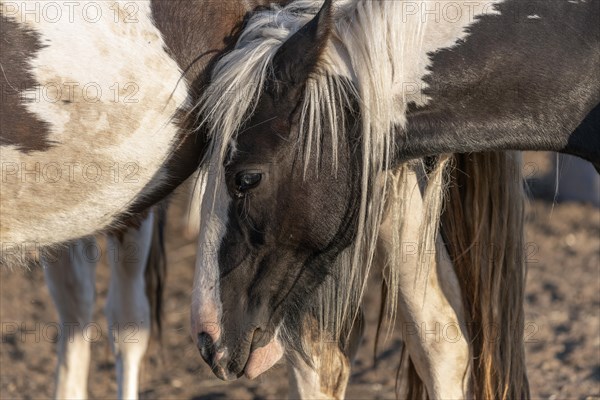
(279, 209)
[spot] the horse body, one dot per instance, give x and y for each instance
(333, 99)
(94, 113)
(357, 101)
(123, 131)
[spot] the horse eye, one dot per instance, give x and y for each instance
(245, 181)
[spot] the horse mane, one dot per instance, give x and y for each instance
(366, 51)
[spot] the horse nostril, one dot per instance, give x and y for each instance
(206, 345)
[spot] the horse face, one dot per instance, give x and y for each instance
(282, 231)
(270, 228)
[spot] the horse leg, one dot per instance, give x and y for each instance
(127, 306)
(327, 380)
(70, 276)
(329, 376)
(430, 305)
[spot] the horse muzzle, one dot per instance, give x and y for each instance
(251, 358)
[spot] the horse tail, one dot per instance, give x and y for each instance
(156, 269)
(483, 226)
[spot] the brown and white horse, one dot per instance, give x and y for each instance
(312, 115)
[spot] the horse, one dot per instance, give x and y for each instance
(315, 115)
(96, 127)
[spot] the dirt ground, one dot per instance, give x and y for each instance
(562, 314)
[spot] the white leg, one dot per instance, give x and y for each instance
(327, 381)
(329, 378)
(70, 276)
(127, 307)
(430, 307)
(304, 381)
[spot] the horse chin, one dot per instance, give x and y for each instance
(263, 358)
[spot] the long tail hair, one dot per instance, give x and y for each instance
(483, 227)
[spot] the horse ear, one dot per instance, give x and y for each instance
(298, 57)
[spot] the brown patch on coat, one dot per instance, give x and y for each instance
(19, 127)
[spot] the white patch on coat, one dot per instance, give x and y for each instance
(427, 26)
(108, 91)
(412, 29)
